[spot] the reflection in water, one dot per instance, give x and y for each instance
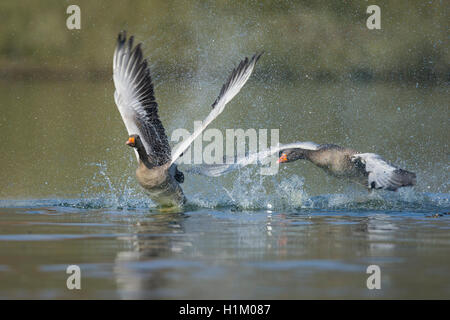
(138, 271)
(380, 233)
(256, 254)
(170, 245)
(222, 253)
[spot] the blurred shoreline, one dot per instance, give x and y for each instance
(318, 40)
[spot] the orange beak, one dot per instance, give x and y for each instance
(282, 159)
(130, 141)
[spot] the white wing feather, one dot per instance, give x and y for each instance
(230, 89)
(135, 99)
(125, 95)
(231, 163)
(382, 175)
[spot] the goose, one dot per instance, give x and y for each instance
(368, 169)
(157, 172)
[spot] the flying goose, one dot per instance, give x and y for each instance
(368, 169)
(157, 172)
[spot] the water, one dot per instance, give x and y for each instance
(222, 253)
(69, 196)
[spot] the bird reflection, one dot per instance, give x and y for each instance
(144, 266)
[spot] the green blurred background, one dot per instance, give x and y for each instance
(325, 39)
(324, 77)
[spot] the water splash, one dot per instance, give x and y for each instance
(251, 191)
(248, 191)
(108, 190)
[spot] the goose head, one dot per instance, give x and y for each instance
(134, 141)
(289, 155)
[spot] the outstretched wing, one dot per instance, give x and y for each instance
(382, 175)
(135, 99)
(234, 84)
(235, 163)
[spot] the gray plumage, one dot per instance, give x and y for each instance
(134, 96)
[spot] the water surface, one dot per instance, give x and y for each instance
(222, 253)
(69, 196)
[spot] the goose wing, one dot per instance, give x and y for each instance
(235, 163)
(382, 175)
(135, 99)
(234, 84)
